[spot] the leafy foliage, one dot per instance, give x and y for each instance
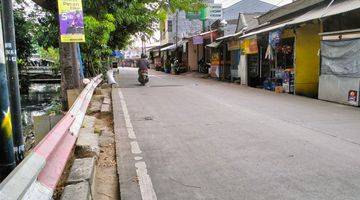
(98, 33)
(111, 24)
(53, 55)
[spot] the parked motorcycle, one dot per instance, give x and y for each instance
(203, 66)
(179, 68)
(143, 76)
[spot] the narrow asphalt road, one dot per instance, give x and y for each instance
(185, 138)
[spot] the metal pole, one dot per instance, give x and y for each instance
(13, 76)
(7, 157)
(204, 25)
(177, 29)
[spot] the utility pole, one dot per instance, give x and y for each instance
(177, 29)
(13, 77)
(7, 157)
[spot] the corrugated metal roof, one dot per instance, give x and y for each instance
(317, 13)
(336, 8)
(265, 29)
(246, 6)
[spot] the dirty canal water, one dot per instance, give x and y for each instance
(40, 100)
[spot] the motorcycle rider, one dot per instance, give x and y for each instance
(143, 64)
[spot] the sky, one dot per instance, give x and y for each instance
(226, 3)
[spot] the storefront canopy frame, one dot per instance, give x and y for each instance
(174, 46)
(317, 13)
(324, 11)
(229, 36)
(214, 45)
(266, 29)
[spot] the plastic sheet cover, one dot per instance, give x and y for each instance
(341, 58)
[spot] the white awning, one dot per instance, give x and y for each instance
(316, 13)
(173, 46)
(321, 12)
(205, 33)
(214, 45)
(267, 29)
(229, 36)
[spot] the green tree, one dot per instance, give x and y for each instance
(24, 39)
(96, 48)
(109, 24)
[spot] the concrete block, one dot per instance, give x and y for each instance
(80, 191)
(95, 104)
(97, 91)
(82, 170)
(89, 122)
(87, 144)
(72, 95)
(107, 100)
(105, 108)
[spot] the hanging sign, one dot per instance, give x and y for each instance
(249, 46)
(198, 40)
(192, 15)
(71, 21)
(234, 45)
(274, 38)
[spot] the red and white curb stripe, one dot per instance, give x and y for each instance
(37, 176)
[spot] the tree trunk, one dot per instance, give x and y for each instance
(70, 70)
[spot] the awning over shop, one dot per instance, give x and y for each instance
(174, 46)
(266, 29)
(214, 45)
(206, 33)
(317, 13)
(228, 36)
(169, 48)
(321, 12)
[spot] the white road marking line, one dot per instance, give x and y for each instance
(137, 158)
(129, 126)
(145, 183)
(146, 186)
(135, 149)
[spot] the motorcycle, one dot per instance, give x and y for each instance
(143, 76)
(203, 66)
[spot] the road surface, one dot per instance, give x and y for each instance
(185, 138)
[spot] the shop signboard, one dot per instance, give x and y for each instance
(250, 46)
(192, 15)
(215, 63)
(198, 40)
(214, 11)
(274, 38)
(215, 59)
(71, 21)
(234, 45)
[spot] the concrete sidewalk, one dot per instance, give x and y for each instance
(203, 139)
